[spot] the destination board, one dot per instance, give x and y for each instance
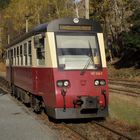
(75, 27)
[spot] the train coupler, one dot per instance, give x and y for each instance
(86, 102)
(77, 102)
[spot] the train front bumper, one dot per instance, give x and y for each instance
(76, 113)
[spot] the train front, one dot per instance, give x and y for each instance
(80, 75)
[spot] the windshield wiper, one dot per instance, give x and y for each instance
(88, 61)
(86, 66)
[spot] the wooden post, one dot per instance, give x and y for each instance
(87, 9)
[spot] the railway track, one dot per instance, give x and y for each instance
(135, 84)
(121, 135)
(125, 87)
(110, 132)
(77, 130)
(123, 92)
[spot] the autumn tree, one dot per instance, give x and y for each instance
(3, 5)
(113, 15)
(36, 12)
(131, 42)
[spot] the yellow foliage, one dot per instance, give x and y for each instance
(37, 11)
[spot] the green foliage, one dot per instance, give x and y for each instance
(131, 41)
(131, 38)
(4, 3)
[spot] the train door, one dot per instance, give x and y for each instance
(40, 49)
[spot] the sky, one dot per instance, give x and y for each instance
(77, 1)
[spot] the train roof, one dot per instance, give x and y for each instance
(53, 26)
(39, 29)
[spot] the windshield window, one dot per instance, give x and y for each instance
(77, 51)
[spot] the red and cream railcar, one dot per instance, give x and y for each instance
(61, 66)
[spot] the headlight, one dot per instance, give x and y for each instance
(102, 82)
(60, 83)
(96, 82)
(63, 83)
(66, 83)
(99, 82)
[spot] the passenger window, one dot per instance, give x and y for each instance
(11, 61)
(14, 56)
(30, 52)
(8, 54)
(18, 55)
(25, 53)
(21, 55)
(7, 57)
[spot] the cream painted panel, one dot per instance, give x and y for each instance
(7, 60)
(51, 60)
(33, 49)
(102, 48)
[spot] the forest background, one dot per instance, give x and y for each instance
(120, 20)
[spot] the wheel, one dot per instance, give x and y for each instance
(36, 105)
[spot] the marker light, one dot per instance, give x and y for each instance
(96, 82)
(102, 82)
(66, 83)
(76, 20)
(60, 83)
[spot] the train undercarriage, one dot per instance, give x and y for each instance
(30, 100)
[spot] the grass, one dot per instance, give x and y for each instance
(124, 108)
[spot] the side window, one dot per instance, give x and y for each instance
(41, 56)
(11, 57)
(21, 55)
(30, 53)
(14, 56)
(18, 55)
(25, 53)
(40, 50)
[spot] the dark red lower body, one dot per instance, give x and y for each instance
(92, 100)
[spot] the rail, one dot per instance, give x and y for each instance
(112, 130)
(130, 88)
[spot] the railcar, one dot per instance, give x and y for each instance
(61, 66)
